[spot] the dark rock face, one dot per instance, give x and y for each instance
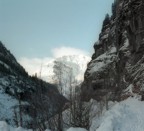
(119, 54)
(25, 101)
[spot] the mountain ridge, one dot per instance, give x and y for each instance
(46, 69)
(109, 74)
(25, 94)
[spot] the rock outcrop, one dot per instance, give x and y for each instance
(117, 64)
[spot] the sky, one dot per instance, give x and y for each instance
(33, 28)
(51, 28)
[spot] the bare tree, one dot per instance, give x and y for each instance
(78, 113)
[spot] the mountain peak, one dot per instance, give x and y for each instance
(77, 62)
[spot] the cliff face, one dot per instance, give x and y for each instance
(24, 100)
(117, 63)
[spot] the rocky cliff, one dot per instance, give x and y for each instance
(117, 66)
(24, 100)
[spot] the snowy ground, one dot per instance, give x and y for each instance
(124, 116)
(6, 105)
(127, 115)
(5, 127)
(76, 129)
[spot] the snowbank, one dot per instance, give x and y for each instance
(6, 106)
(5, 127)
(127, 115)
(124, 116)
(76, 129)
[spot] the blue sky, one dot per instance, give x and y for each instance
(35, 28)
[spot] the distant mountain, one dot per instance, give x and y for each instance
(78, 63)
(24, 100)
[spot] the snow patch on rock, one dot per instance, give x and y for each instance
(103, 60)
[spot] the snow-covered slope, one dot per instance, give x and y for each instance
(5, 127)
(7, 104)
(77, 62)
(124, 116)
(20, 94)
(76, 129)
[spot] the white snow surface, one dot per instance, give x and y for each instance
(78, 63)
(76, 129)
(6, 104)
(127, 115)
(5, 127)
(102, 61)
(44, 68)
(125, 45)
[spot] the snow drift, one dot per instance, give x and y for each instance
(124, 116)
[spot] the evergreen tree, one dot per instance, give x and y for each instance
(106, 21)
(114, 9)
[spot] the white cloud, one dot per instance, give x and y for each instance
(33, 65)
(64, 51)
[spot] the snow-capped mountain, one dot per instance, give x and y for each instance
(78, 63)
